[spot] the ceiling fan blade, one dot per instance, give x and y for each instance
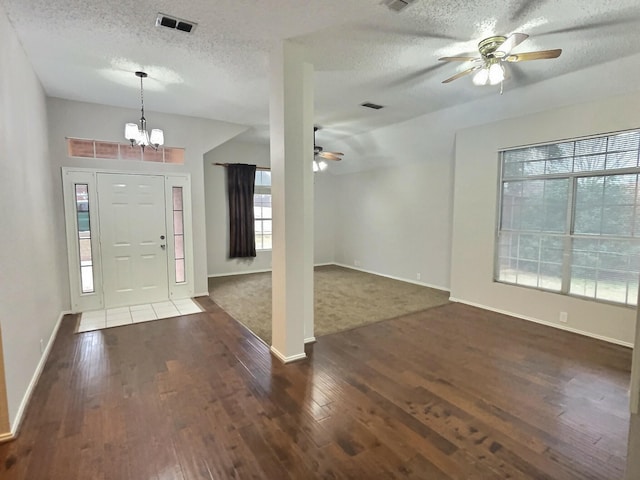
(462, 74)
(459, 59)
(421, 33)
(415, 77)
(525, 10)
(541, 55)
(510, 43)
(623, 18)
(328, 156)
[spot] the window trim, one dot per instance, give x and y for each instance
(569, 234)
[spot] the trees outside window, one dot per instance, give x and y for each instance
(570, 217)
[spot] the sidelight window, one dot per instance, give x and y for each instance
(178, 234)
(83, 223)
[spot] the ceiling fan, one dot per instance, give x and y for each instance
(319, 154)
(494, 51)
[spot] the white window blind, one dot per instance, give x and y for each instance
(570, 217)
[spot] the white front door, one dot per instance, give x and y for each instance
(133, 238)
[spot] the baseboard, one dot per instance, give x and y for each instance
(17, 421)
(7, 437)
(545, 322)
(244, 272)
(392, 277)
(285, 359)
(309, 340)
(206, 294)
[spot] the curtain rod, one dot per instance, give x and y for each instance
(226, 165)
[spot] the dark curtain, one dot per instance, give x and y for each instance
(240, 186)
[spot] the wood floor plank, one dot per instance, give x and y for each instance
(453, 392)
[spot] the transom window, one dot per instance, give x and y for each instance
(262, 210)
(570, 217)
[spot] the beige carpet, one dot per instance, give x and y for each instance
(344, 299)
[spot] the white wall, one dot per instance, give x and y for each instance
(32, 257)
(475, 212)
(217, 213)
(86, 120)
(325, 214)
(396, 221)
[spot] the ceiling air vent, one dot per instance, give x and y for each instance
(374, 106)
(175, 23)
(397, 5)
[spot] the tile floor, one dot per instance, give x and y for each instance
(114, 317)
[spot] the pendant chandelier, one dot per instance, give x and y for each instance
(138, 134)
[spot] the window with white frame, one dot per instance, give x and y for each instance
(83, 231)
(262, 209)
(570, 217)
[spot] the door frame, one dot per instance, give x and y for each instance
(81, 302)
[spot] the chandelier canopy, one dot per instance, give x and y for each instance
(138, 134)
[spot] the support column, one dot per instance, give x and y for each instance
(291, 133)
(633, 462)
(633, 459)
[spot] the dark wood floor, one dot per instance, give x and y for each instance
(450, 393)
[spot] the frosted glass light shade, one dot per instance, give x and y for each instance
(131, 132)
(322, 165)
(496, 74)
(481, 77)
(316, 167)
(157, 137)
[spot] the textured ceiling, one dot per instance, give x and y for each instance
(88, 50)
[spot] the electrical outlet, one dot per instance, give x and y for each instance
(564, 317)
(418, 276)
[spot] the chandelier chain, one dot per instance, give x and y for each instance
(141, 97)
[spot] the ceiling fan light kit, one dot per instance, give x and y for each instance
(494, 51)
(138, 134)
(319, 166)
(482, 77)
(319, 155)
